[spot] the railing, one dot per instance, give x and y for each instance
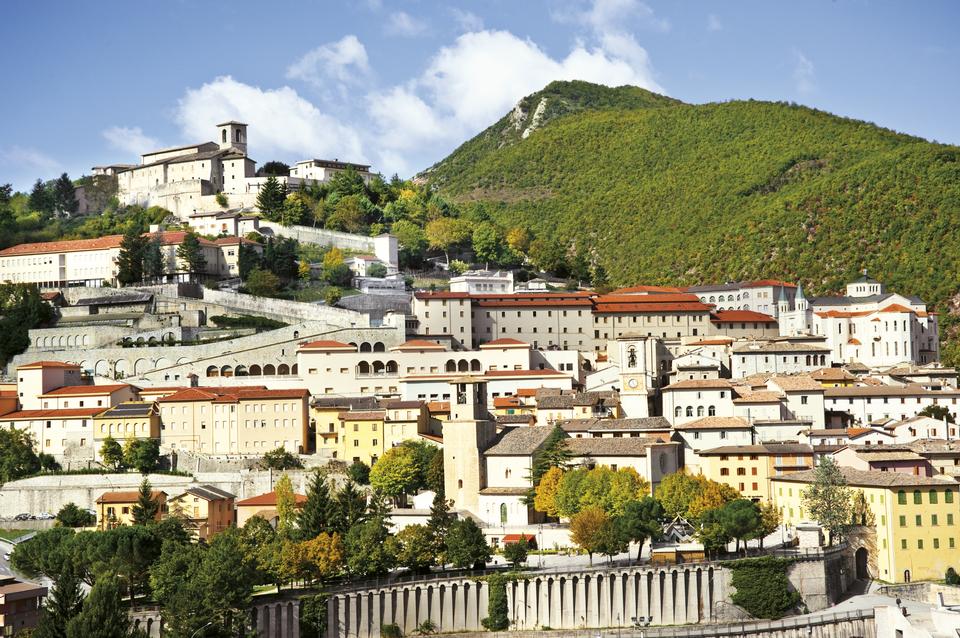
(402, 579)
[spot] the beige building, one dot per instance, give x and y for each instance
(20, 604)
(126, 421)
(116, 508)
(242, 420)
(208, 510)
(749, 468)
(264, 506)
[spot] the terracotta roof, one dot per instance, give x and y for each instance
(731, 316)
(128, 497)
(516, 538)
(532, 303)
(854, 432)
(441, 294)
(362, 415)
(720, 341)
(763, 396)
(700, 384)
(897, 308)
(831, 374)
(327, 344)
(797, 383)
(860, 478)
(438, 406)
(233, 394)
(854, 342)
(72, 245)
(648, 299)
(888, 390)
(527, 392)
(716, 423)
(270, 498)
(430, 437)
(64, 413)
(85, 390)
(682, 306)
(506, 402)
(36, 365)
(519, 441)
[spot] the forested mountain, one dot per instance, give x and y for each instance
(657, 191)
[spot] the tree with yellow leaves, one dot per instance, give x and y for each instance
(286, 505)
(545, 498)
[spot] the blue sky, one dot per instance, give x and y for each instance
(400, 83)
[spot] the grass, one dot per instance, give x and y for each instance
(316, 291)
(426, 282)
(10, 534)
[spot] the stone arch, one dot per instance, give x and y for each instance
(183, 360)
(226, 371)
(213, 371)
(450, 366)
(140, 342)
(141, 366)
(86, 340)
(352, 344)
(152, 341)
(84, 365)
(475, 365)
(255, 371)
(295, 369)
(70, 342)
(163, 362)
(269, 370)
(463, 365)
(39, 342)
(121, 368)
(379, 347)
(60, 341)
(392, 367)
(102, 368)
(283, 369)
(378, 367)
(366, 347)
(241, 371)
(296, 334)
(363, 368)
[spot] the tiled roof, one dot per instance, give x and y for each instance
(648, 299)
(764, 396)
(873, 454)
(233, 394)
(65, 413)
(519, 441)
(831, 374)
(419, 344)
(207, 492)
(516, 419)
(506, 402)
(127, 497)
(731, 316)
(797, 383)
(620, 446)
(327, 344)
(438, 406)
(362, 415)
(70, 245)
(546, 372)
(935, 446)
(639, 308)
(571, 400)
(504, 491)
(860, 478)
(763, 448)
(719, 341)
(36, 365)
(888, 390)
(506, 342)
(532, 303)
(716, 423)
(348, 403)
(615, 425)
(268, 499)
(128, 409)
(777, 346)
(647, 289)
(400, 404)
(85, 390)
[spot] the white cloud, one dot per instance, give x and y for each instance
(713, 23)
(281, 122)
(130, 139)
(804, 75)
(344, 61)
(467, 20)
(616, 15)
(403, 24)
(28, 158)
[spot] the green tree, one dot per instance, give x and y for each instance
(286, 506)
(21, 309)
(488, 243)
(17, 458)
(395, 473)
(142, 454)
(248, 258)
(828, 499)
(111, 453)
(376, 269)
(359, 472)
(370, 548)
(347, 215)
(65, 195)
(412, 242)
(770, 520)
(271, 198)
(712, 532)
(446, 233)
(313, 518)
(153, 262)
(190, 252)
(262, 283)
(102, 615)
(349, 509)
(438, 525)
(740, 519)
(274, 167)
(590, 529)
(415, 551)
(466, 546)
(677, 492)
(515, 553)
(553, 453)
(280, 459)
(296, 209)
(61, 606)
(332, 295)
(641, 521)
(147, 508)
(130, 259)
(41, 199)
(72, 516)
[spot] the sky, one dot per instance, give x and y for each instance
(400, 83)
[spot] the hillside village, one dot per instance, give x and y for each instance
(745, 386)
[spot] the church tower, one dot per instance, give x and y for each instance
(466, 435)
(783, 304)
(232, 134)
(636, 355)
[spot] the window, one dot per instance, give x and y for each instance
(741, 471)
(949, 519)
(933, 497)
(919, 520)
(724, 471)
(901, 497)
(917, 497)
(919, 543)
(903, 521)
(903, 543)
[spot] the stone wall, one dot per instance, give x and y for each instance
(283, 309)
(568, 599)
(923, 592)
(319, 236)
(822, 575)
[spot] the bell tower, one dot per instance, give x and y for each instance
(636, 355)
(232, 134)
(466, 435)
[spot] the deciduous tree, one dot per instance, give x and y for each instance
(828, 499)
(466, 546)
(111, 453)
(589, 529)
(641, 520)
(395, 473)
(545, 498)
(190, 252)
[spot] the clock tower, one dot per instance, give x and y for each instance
(636, 357)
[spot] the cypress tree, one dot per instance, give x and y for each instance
(65, 195)
(191, 253)
(130, 260)
(62, 605)
(103, 615)
(313, 518)
(146, 509)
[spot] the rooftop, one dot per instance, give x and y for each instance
(129, 497)
(860, 478)
(716, 423)
(268, 499)
(606, 446)
(519, 441)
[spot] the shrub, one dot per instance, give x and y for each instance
(762, 586)
(390, 631)
(359, 473)
(952, 578)
(72, 516)
(497, 618)
(222, 200)
(247, 321)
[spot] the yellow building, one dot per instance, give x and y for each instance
(325, 421)
(749, 468)
(908, 527)
(208, 510)
(128, 420)
(362, 435)
(116, 508)
(264, 506)
(833, 378)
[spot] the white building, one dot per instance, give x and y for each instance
(760, 296)
(479, 282)
(778, 356)
(865, 404)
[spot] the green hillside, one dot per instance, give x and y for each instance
(703, 193)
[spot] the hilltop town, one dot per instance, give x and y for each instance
(453, 415)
